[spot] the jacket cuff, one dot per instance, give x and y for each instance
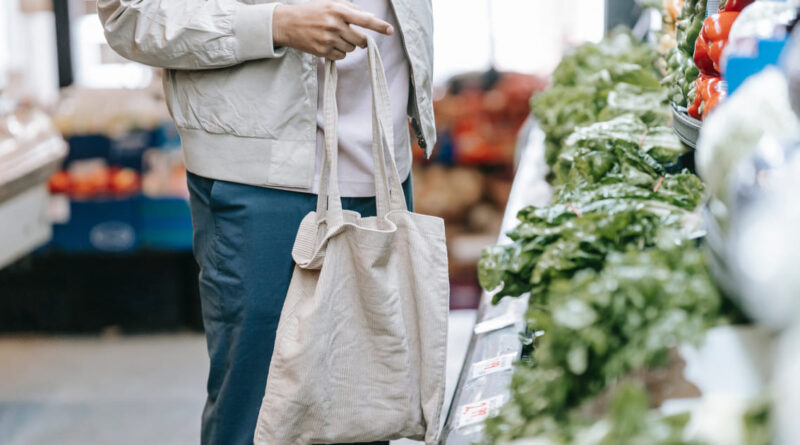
(252, 30)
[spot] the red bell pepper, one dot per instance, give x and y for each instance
(735, 5)
(702, 59)
(709, 94)
(711, 41)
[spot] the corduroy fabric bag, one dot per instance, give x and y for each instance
(361, 344)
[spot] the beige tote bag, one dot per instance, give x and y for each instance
(360, 349)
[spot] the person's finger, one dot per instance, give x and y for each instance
(344, 46)
(368, 21)
(335, 54)
(354, 36)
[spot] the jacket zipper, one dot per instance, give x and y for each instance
(415, 124)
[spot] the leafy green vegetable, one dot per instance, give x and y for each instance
(631, 422)
(614, 199)
(562, 108)
(626, 98)
(618, 48)
(600, 326)
(627, 130)
(597, 82)
(613, 281)
(681, 71)
(628, 422)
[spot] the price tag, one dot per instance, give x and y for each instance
(492, 365)
(478, 412)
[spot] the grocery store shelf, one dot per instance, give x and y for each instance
(25, 224)
(24, 199)
(28, 168)
(486, 372)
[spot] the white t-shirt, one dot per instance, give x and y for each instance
(354, 100)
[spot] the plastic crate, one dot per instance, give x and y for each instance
(122, 151)
(126, 150)
(88, 146)
(103, 225)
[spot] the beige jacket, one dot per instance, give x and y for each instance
(246, 111)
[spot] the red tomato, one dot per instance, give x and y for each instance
(124, 181)
(59, 182)
(90, 183)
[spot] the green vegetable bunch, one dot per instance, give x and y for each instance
(658, 141)
(599, 327)
(597, 82)
(619, 47)
(615, 198)
(614, 284)
(681, 71)
(628, 422)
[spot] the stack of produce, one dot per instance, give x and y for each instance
(708, 54)
(615, 82)
(616, 280)
(480, 114)
(671, 10)
(681, 70)
(94, 179)
(694, 68)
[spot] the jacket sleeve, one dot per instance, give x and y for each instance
(189, 34)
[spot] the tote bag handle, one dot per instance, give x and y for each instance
(388, 186)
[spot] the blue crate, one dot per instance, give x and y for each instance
(165, 224)
(89, 146)
(127, 149)
(101, 225)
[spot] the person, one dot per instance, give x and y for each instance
(243, 83)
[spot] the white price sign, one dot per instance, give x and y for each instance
(478, 412)
(492, 365)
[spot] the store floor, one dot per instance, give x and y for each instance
(124, 389)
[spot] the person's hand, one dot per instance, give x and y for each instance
(322, 27)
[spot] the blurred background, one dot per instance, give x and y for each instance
(664, 306)
(100, 329)
(119, 251)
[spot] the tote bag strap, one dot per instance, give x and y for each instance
(329, 201)
(382, 120)
(388, 186)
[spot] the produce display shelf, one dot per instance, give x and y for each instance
(686, 127)
(24, 199)
(483, 384)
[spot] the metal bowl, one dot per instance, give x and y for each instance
(686, 127)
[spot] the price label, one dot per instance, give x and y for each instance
(492, 365)
(478, 412)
